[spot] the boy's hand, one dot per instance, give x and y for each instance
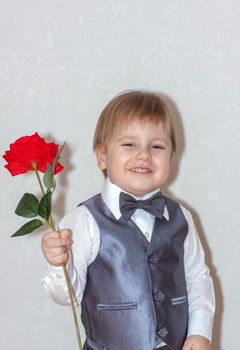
(196, 342)
(56, 246)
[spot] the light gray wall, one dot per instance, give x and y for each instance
(60, 63)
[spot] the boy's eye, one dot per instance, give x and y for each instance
(129, 144)
(158, 147)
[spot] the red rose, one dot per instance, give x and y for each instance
(28, 150)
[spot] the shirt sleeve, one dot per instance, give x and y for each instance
(200, 288)
(84, 250)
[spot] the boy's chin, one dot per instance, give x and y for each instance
(141, 192)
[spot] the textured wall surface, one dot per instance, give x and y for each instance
(61, 61)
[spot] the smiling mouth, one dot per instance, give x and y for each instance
(141, 170)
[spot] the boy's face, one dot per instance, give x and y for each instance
(137, 157)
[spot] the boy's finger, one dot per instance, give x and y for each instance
(56, 242)
(60, 259)
(58, 251)
(51, 234)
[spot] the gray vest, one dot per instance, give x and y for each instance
(135, 295)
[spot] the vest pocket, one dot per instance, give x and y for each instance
(179, 300)
(116, 307)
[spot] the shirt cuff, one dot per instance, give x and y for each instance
(56, 273)
(200, 323)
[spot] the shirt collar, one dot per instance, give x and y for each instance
(110, 194)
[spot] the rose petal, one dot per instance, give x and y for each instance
(28, 149)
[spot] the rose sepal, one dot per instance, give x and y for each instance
(48, 177)
(28, 228)
(58, 156)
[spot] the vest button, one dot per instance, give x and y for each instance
(162, 332)
(159, 296)
(153, 259)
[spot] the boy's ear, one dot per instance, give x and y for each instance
(101, 157)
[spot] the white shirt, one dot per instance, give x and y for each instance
(86, 242)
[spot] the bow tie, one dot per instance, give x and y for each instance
(154, 205)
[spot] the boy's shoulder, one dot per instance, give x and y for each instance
(78, 214)
(174, 202)
(90, 199)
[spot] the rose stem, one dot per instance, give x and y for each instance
(34, 165)
(69, 285)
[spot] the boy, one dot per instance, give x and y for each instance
(136, 263)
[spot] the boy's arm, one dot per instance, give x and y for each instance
(84, 250)
(201, 295)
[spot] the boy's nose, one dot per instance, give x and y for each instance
(143, 154)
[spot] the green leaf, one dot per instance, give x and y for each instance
(28, 227)
(28, 206)
(57, 157)
(48, 177)
(44, 209)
